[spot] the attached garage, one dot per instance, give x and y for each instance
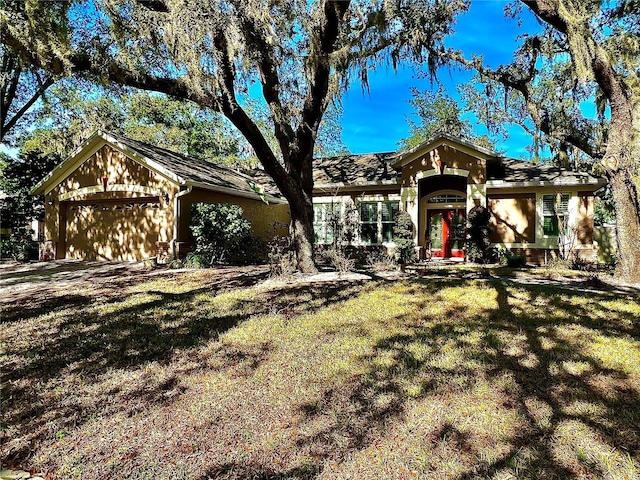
(121, 199)
(113, 230)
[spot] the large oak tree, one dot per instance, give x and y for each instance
(588, 51)
(299, 53)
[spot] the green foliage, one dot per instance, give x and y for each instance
(154, 118)
(439, 114)
(511, 259)
(220, 232)
(478, 230)
(403, 230)
(19, 176)
(19, 245)
(604, 208)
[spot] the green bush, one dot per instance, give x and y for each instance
(478, 230)
(405, 248)
(512, 260)
(220, 232)
(19, 246)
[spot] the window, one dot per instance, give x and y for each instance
(389, 210)
(324, 216)
(446, 198)
(554, 211)
(377, 221)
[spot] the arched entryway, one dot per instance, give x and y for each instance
(443, 215)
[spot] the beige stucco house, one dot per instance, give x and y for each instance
(441, 180)
(120, 199)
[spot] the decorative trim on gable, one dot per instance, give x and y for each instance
(110, 188)
(459, 144)
(447, 171)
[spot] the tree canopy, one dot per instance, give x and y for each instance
(587, 52)
(21, 86)
(439, 114)
(300, 54)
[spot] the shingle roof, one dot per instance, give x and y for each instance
(511, 170)
(190, 169)
(370, 168)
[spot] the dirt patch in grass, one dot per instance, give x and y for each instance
(212, 374)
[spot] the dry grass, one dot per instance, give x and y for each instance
(191, 375)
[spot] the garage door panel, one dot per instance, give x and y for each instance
(126, 232)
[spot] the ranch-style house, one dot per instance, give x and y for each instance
(121, 199)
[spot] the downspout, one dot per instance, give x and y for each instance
(176, 219)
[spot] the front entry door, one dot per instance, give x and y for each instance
(446, 230)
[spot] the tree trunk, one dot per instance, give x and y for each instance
(301, 208)
(625, 196)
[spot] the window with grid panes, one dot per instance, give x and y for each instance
(323, 218)
(377, 221)
(389, 210)
(554, 210)
(369, 222)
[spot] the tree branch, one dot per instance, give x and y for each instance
(6, 127)
(316, 100)
(522, 84)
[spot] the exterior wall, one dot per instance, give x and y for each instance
(426, 165)
(454, 159)
(87, 219)
(263, 217)
(514, 217)
(585, 218)
(518, 221)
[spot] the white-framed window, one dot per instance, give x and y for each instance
(324, 216)
(555, 209)
(377, 221)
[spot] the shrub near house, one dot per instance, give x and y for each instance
(221, 233)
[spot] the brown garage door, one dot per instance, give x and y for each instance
(112, 231)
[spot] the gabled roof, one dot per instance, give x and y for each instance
(181, 169)
(509, 171)
(355, 170)
(458, 143)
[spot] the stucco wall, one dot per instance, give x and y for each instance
(263, 217)
(120, 223)
(513, 218)
(585, 218)
(453, 159)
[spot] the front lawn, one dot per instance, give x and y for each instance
(202, 375)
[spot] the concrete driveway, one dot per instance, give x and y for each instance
(27, 280)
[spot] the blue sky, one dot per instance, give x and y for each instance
(376, 121)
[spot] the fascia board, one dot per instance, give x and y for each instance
(474, 151)
(65, 168)
(237, 193)
(502, 184)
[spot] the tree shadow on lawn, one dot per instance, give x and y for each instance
(566, 423)
(60, 379)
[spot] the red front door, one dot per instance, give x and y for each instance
(446, 230)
